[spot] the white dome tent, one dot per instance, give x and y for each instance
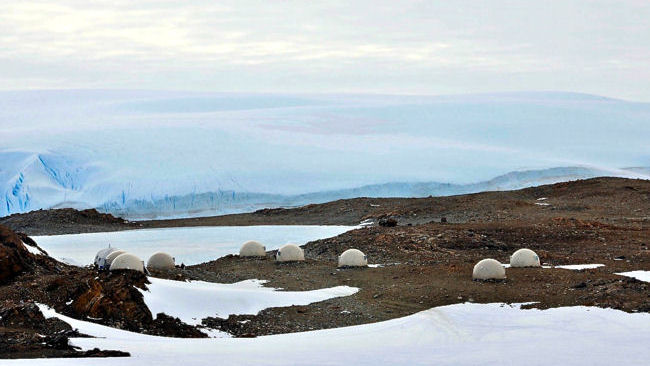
(127, 261)
(100, 258)
(489, 269)
(111, 256)
(161, 261)
(252, 248)
(353, 258)
(290, 253)
(524, 258)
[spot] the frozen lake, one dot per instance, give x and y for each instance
(189, 245)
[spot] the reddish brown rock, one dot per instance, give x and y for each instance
(14, 257)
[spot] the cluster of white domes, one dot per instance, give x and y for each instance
(290, 253)
(491, 269)
(293, 253)
(113, 258)
(353, 258)
(486, 269)
(252, 248)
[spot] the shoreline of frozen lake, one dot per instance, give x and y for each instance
(189, 245)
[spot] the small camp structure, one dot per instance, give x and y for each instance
(111, 256)
(524, 258)
(100, 258)
(161, 261)
(290, 253)
(353, 258)
(127, 261)
(489, 269)
(252, 248)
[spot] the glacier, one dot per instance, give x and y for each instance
(146, 154)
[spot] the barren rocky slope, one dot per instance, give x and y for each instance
(608, 200)
(28, 277)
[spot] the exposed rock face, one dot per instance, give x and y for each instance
(23, 315)
(110, 298)
(14, 257)
(115, 298)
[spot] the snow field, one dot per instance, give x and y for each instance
(461, 334)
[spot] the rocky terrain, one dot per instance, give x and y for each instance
(108, 298)
(64, 221)
(607, 200)
(424, 250)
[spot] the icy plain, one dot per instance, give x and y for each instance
(148, 154)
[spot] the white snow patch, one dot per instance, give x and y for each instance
(189, 245)
(542, 199)
(639, 275)
(71, 261)
(32, 249)
(507, 265)
(578, 267)
(542, 204)
(193, 301)
(384, 265)
(462, 334)
(367, 222)
(214, 333)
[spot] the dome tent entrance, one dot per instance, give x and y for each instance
(102, 255)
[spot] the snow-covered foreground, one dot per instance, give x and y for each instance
(189, 245)
(193, 301)
(462, 334)
(639, 275)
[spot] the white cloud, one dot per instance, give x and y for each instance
(377, 46)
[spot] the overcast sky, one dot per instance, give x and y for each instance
(405, 47)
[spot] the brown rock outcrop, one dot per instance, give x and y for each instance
(14, 257)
